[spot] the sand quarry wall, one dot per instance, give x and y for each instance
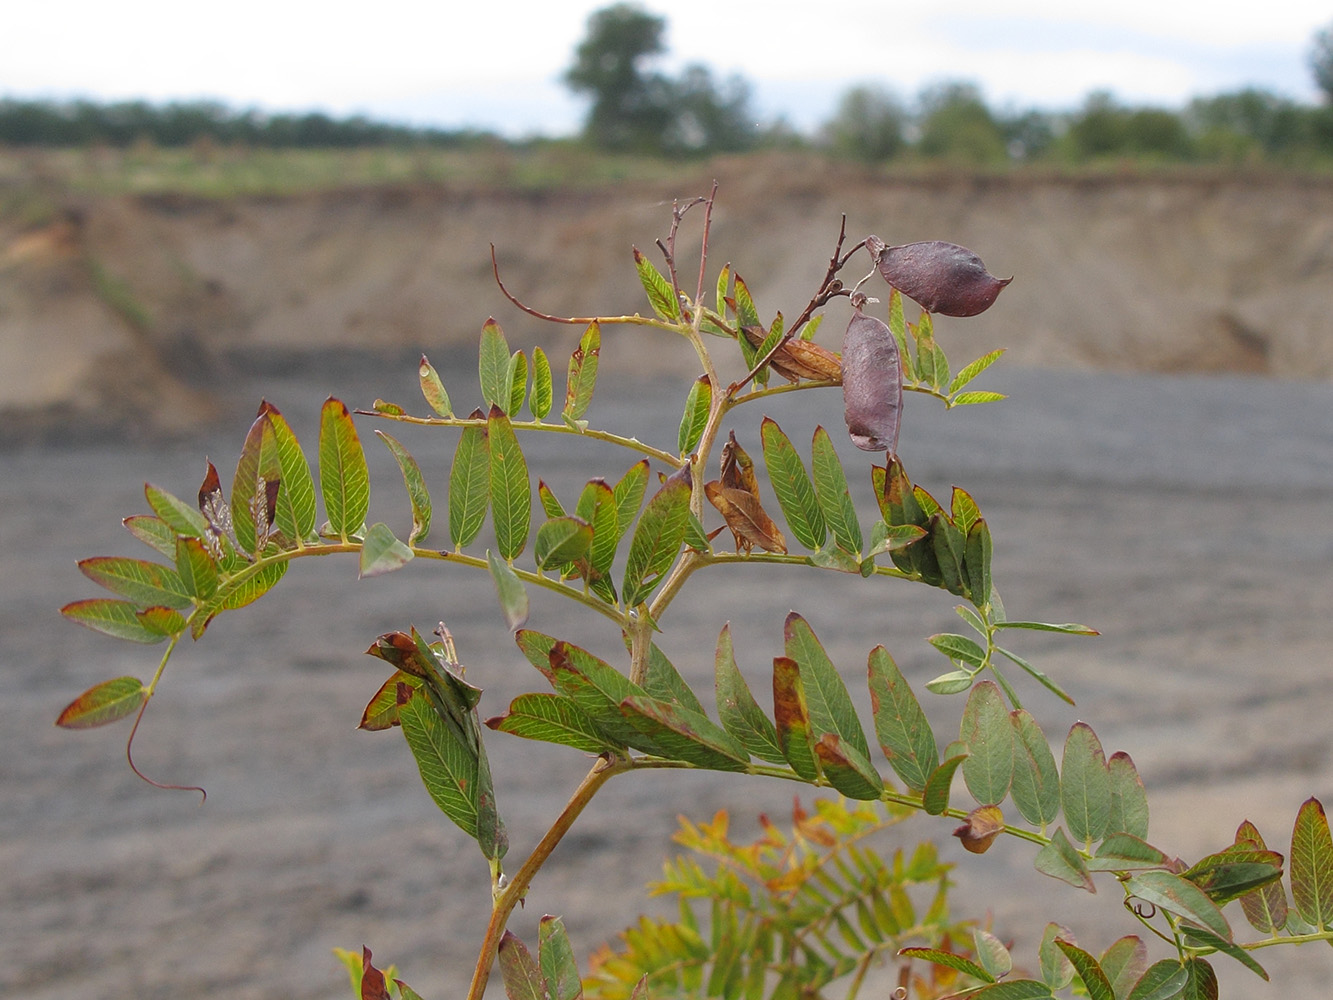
(120, 313)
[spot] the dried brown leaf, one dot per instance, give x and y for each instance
(983, 825)
(745, 516)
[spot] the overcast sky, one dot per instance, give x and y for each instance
(497, 65)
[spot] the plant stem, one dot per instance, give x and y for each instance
(516, 890)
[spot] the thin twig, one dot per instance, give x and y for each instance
(703, 246)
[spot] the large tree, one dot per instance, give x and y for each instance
(630, 107)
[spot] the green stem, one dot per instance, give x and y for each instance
(517, 889)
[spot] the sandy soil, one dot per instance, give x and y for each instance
(1185, 517)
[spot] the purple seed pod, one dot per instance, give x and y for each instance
(941, 278)
(872, 383)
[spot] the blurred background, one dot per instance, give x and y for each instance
(203, 207)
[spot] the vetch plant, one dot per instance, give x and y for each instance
(791, 915)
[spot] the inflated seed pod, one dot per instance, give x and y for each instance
(941, 278)
(872, 383)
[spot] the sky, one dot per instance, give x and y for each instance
(497, 65)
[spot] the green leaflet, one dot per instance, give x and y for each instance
(695, 417)
(516, 378)
(142, 583)
(343, 477)
(829, 703)
(660, 294)
(901, 726)
(1124, 962)
(847, 769)
(555, 956)
(629, 491)
(1089, 971)
(561, 540)
(469, 483)
(1179, 896)
(792, 486)
(792, 715)
(657, 538)
(835, 502)
(381, 552)
(972, 398)
(521, 977)
(252, 587)
(510, 590)
(1266, 910)
(737, 709)
(1085, 785)
(1129, 799)
(433, 389)
(582, 377)
(989, 737)
(552, 718)
(197, 569)
(447, 765)
(511, 490)
(681, 734)
(935, 796)
(257, 465)
(118, 619)
(493, 366)
(949, 960)
(153, 532)
(1059, 859)
(180, 517)
(597, 506)
(972, 370)
(543, 392)
(663, 681)
(103, 704)
(599, 689)
(1165, 980)
(1036, 785)
(417, 492)
(1311, 862)
(295, 512)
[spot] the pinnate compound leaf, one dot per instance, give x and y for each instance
(140, 582)
(1085, 785)
(657, 538)
(791, 484)
(1129, 799)
(511, 489)
(950, 961)
(1178, 895)
(295, 511)
(343, 476)
(1059, 859)
(433, 389)
(791, 714)
(903, 731)
(543, 392)
(562, 540)
(1036, 784)
(103, 703)
(493, 366)
(694, 418)
(830, 704)
(1089, 971)
(1312, 865)
(935, 796)
(582, 377)
(555, 955)
(469, 483)
(737, 709)
(381, 552)
(510, 590)
(448, 766)
(989, 737)
(118, 619)
(551, 718)
(660, 294)
(835, 501)
(521, 977)
(1265, 909)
